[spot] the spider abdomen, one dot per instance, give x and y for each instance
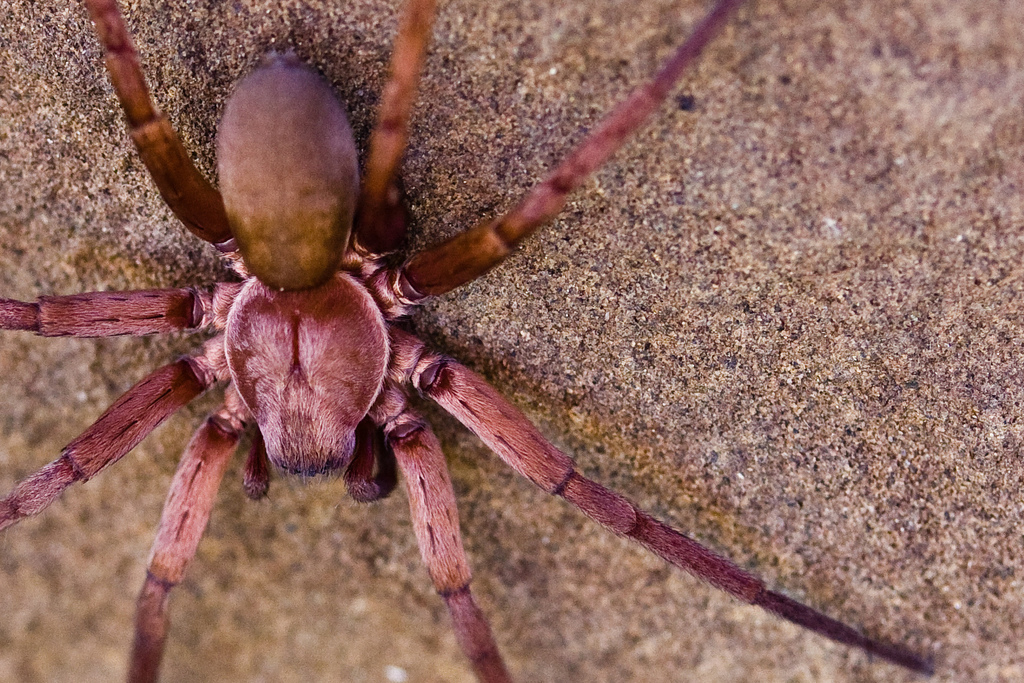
(308, 366)
(289, 174)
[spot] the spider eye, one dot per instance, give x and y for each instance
(288, 173)
(302, 445)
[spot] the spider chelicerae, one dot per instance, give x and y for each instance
(309, 342)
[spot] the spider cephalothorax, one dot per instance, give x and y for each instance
(308, 345)
(308, 366)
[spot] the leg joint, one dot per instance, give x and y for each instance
(164, 584)
(403, 427)
(428, 376)
(559, 490)
(448, 593)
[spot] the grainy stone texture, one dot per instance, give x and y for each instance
(787, 317)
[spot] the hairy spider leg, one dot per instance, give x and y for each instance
(363, 484)
(508, 432)
(188, 194)
(435, 520)
(182, 523)
(140, 409)
(118, 430)
(470, 254)
(108, 314)
(381, 219)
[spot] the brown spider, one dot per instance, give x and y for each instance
(257, 479)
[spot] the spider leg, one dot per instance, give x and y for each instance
(470, 254)
(436, 522)
(108, 314)
(380, 224)
(188, 194)
(508, 433)
(182, 524)
(118, 430)
(360, 480)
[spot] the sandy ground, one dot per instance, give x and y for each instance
(787, 318)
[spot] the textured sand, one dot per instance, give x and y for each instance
(787, 317)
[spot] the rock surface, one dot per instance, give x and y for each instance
(787, 318)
